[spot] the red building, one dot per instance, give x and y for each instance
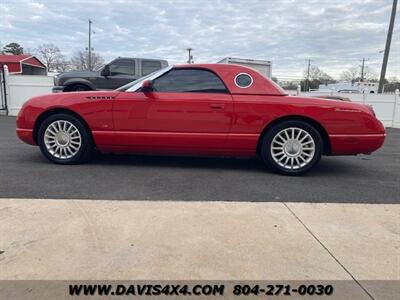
(23, 64)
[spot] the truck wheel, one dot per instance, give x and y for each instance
(77, 88)
(292, 148)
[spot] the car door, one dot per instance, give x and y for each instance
(190, 110)
(122, 71)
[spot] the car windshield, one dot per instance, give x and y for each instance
(134, 85)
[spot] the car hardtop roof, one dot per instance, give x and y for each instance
(214, 66)
(228, 72)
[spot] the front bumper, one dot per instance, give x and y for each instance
(26, 135)
(58, 89)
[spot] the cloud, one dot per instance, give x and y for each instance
(36, 5)
(334, 34)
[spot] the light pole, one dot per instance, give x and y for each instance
(90, 46)
(306, 86)
(387, 47)
(362, 69)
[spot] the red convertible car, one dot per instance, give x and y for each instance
(203, 109)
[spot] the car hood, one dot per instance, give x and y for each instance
(65, 100)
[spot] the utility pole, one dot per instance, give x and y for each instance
(90, 46)
(362, 69)
(190, 57)
(387, 47)
(306, 86)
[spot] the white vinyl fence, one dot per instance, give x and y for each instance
(20, 88)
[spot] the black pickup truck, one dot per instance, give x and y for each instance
(117, 73)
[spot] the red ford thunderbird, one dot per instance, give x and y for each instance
(204, 109)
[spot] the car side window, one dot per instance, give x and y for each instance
(189, 81)
(123, 67)
(149, 66)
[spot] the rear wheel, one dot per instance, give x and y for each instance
(292, 147)
(64, 139)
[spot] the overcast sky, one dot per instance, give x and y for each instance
(335, 34)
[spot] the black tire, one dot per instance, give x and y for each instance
(86, 143)
(77, 88)
(313, 156)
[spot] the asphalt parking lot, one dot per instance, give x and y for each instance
(24, 173)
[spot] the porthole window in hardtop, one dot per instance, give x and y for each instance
(243, 80)
(189, 81)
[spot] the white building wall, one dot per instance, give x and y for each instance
(262, 66)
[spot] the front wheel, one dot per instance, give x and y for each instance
(64, 139)
(292, 147)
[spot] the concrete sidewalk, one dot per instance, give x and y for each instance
(88, 239)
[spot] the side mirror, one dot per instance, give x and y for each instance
(105, 71)
(147, 86)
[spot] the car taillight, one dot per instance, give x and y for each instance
(371, 109)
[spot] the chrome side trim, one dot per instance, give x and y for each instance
(358, 135)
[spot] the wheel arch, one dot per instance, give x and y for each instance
(60, 110)
(72, 82)
(322, 131)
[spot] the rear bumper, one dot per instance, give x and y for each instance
(351, 144)
(26, 135)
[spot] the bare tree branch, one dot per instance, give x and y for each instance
(350, 75)
(50, 55)
(354, 74)
(80, 60)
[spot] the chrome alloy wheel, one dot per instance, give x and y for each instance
(292, 148)
(62, 139)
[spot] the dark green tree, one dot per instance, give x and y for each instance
(13, 48)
